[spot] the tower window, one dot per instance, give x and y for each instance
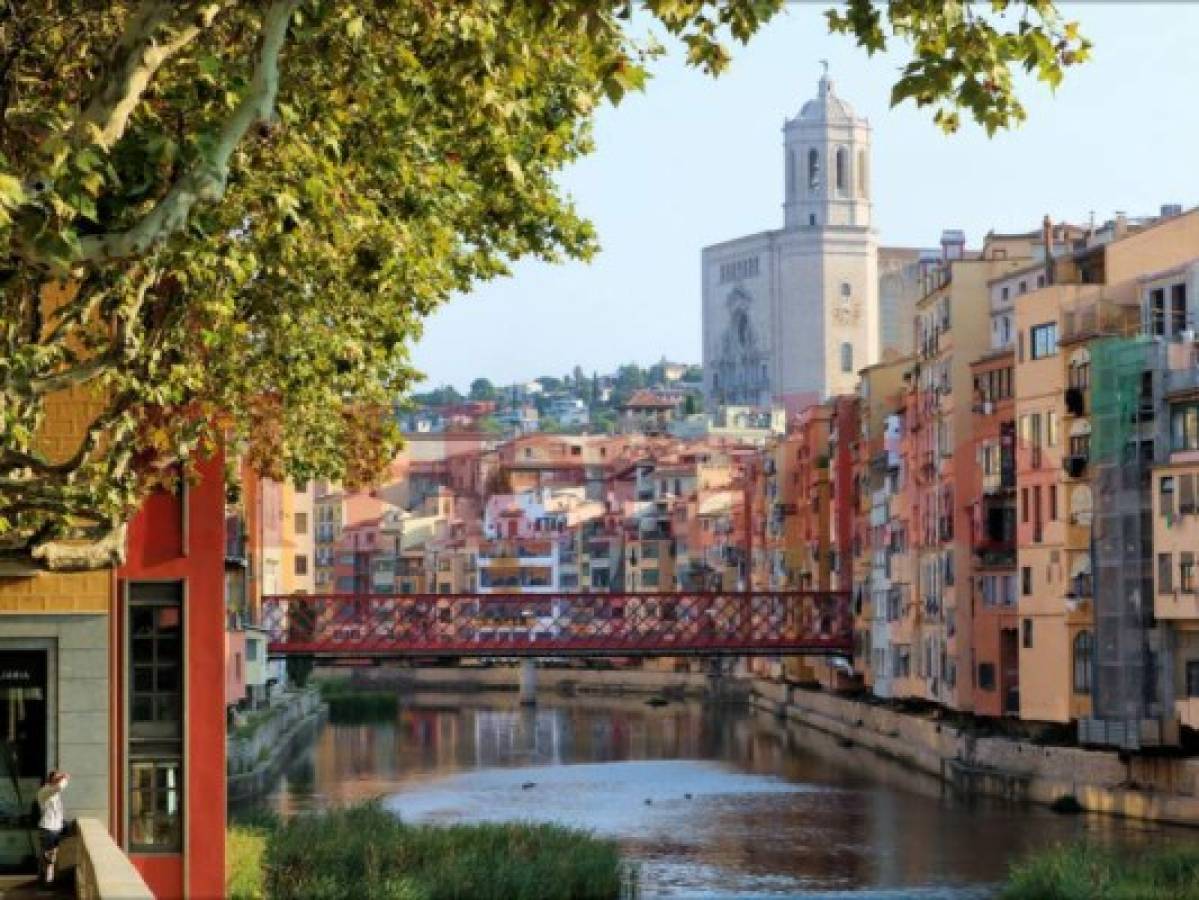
(863, 187)
(812, 219)
(792, 165)
(842, 170)
(813, 169)
(846, 357)
(846, 290)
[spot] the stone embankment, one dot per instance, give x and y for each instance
(259, 749)
(550, 681)
(1153, 788)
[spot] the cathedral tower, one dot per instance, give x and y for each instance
(791, 315)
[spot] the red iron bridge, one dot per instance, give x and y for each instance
(729, 623)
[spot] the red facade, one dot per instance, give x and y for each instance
(176, 544)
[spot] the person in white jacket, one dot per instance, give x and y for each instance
(51, 820)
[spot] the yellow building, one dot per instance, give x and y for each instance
(56, 634)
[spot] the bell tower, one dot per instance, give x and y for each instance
(827, 151)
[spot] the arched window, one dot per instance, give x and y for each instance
(842, 170)
(813, 169)
(1084, 652)
(846, 290)
(846, 357)
(863, 185)
(790, 173)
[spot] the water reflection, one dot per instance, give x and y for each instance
(712, 801)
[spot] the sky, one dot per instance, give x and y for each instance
(695, 160)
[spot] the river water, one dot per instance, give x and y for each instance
(709, 801)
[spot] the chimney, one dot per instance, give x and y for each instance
(1047, 243)
(953, 243)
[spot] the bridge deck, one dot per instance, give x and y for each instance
(559, 624)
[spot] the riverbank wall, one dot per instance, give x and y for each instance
(1152, 788)
(562, 682)
(258, 751)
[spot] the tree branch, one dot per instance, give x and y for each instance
(206, 180)
(137, 57)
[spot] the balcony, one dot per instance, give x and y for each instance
(1075, 465)
(515, 549)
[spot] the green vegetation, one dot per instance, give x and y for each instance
(257, 205)
(245, 847)
(1087, 872)
(364, 851)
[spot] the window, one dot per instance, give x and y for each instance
(1024, 505)
(1165, 573)
(649, 578)
(1005, 293)
(1026, 627)
(1043, 340)
(1157, 311)
(812, 219)
(1186, 572)
(986, 676)
(1053, 503)
(1184, 427)
(846, 290)
(1026, 587)
(1165, 496)
(1186, 495)
(301, 524)
(863, 185)
(1178, 309)
(301, 564)
(1051, 429)
(846, 357)
(155, 690)
(1192, 678)
(813, 170)
(842, 170)
(251, 651)
(1084, 652)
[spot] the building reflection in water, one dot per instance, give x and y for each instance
(773, 808)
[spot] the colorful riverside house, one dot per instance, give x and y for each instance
(168, 709)
(116, 676)
(952, 329)
(991, 497)
(876, 461)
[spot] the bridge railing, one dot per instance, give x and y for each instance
(596, 624)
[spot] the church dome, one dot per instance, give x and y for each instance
(827, 106)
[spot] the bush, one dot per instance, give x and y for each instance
(245, 847)
(1086, 872)
(365, 852)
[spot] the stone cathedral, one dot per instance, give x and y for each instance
(791, 315)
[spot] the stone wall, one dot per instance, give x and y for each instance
(79, 701)
(1155, 788)
(505, 678)
(254, 760)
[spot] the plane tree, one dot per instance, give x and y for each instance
(227, 219)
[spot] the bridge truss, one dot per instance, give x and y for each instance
(731, 623)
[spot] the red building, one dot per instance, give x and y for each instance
(168, 678)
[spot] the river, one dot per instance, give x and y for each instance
(709, 801)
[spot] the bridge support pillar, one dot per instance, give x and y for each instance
(528, 682)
